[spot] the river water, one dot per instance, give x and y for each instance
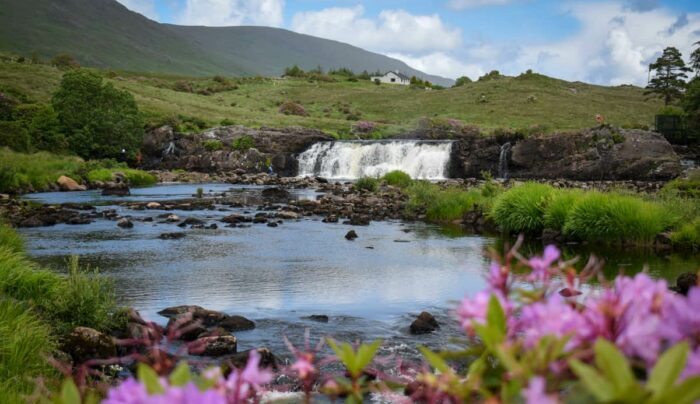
(370, 288)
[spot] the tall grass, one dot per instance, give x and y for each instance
(10, 239)
(366, 184)
(522, 208)
(451, 204)
(611, 217)
(558, 207)
(688, 235)
(19, 171)
(136, 178)
(398, 178)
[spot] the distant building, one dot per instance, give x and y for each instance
(395, 77)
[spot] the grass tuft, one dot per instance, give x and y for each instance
(398, 178)
(137, 178)
(366, 184)
(521, 208)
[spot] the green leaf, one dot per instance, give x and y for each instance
(150, 379)
(668, 368)
(181, 375)
(435, 360)
(687, 392)
(596, 384)
(365, 354)
(614, 366)
(496, 317)
(70, 393)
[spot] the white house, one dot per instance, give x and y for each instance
(395, 77)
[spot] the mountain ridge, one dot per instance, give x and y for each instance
(106, 34)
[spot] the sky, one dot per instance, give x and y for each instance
(609, 42)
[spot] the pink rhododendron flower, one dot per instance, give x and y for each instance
(130, 391)
(498, 277)
(536, 393)
(552, 317)
(474, 310)
(541, 266)
(304, 366)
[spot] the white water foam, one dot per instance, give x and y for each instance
(426, 160)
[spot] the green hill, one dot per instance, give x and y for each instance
(505, 102)
(103, 33)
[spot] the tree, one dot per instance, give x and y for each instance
(462, 81)
(99, 120)
(695, 59)
(65, 61)
(669, 76)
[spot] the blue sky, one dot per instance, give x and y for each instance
(598, 41)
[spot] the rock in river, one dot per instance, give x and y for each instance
(171, 236)
(424, 324)
(351, 235)
(125, 223)
(236, 323)
(69, 184)
(214, 346)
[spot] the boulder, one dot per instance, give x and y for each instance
(319, 318)
(86, 343)
(425, 323)
(236, 323)
(153, 205)
(240, 359)
(207, 317)
(125, 223)
(351, 235)
(171, 236)
(214, 346)
(287, 215)
(68, 184)
(276, 194)
(186, 327)
(116, 189)
(685, 282)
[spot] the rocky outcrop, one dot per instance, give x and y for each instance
(68, 184)
(602, 153)
(230, 148)
(425, 323)
(84, 344)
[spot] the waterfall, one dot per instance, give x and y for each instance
(354, 159)
(503, 161)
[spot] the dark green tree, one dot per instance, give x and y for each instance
(695, 59)
(669, 76)
(462, 81)
(98, 119)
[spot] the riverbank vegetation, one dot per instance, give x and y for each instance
(23, 172)
(610, 218)
(335, 103)
(38, 309)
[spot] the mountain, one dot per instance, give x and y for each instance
(103, 33)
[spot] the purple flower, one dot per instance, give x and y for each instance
(541, 266)
(241, 385)
(553, 317)
(475, 310)
(536, 393)
(130, 391)
(304, 365)
(498, 277)
(692, 367)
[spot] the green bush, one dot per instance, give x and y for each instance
(366, 184)
(136, 178)
(398, 178)
(521, 208)
(611, 217)
(15, 136)
(560, 204)
(420, 193)
(685, 186)
(293, 108)
(19, 171)
(228, 122)
(25, 343)
(451, 204)
(99, 119)
(688, 236)
(213, 145)
(243, 143)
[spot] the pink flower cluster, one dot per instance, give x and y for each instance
(638, 314)
(237, 388)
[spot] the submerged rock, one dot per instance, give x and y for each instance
(125, 223)
(240, 359)
(684, 282)
(171, 236)
(320, 318)
(214, 346)
(276, 194)
(351, 235)
(236, 323)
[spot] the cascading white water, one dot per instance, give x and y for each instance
(354, 159)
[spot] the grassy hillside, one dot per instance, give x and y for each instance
(103, 33)
(509, 102)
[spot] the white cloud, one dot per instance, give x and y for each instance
(392, 31)
(441, 64)
(220, 13)
(613, 46)
(144, 7)
(462, 4)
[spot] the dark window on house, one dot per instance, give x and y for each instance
(393, 80)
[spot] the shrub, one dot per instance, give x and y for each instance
(560, 204)
(462, 81)
(521, 209)
(420, 193)
(398, 178)
(243, 143)
(213, 145)
(364, 127)
(613, 217)
(7, 106)
(100, 120)
(688, 235)
(65, 61)
(136, 178)
(451, 204)
(670, 110)
(183, 87)
(685, 186)
(492, 75)
(227, 122)
(366, 184)
(292, 108)
(15, 136)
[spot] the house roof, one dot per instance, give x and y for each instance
(401, 75)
